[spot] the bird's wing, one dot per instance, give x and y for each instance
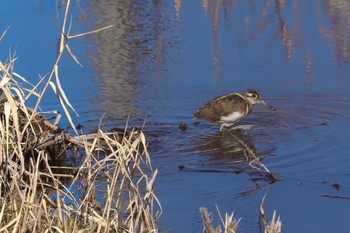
(220, 106)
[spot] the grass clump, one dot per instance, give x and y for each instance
(111, 190)
(230, 224)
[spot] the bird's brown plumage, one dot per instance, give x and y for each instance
(222, 106)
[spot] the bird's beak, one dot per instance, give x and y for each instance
(267, 105)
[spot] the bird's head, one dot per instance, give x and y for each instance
(253, 97)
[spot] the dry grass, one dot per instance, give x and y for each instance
(230, 224)
(273, 226)
(110, 191)
(39, 200)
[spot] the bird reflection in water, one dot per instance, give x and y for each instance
(234, 151)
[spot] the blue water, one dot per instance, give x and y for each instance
(160, 62)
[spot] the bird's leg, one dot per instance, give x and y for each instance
(224, 125)
(243, 127)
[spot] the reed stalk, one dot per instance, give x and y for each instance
(111, 190)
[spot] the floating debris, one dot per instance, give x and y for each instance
(182, 126)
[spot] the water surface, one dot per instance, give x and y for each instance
(164, 59)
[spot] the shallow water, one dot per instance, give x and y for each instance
(164, 59)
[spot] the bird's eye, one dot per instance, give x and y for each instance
(254, 96)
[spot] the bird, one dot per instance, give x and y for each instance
(230, 108)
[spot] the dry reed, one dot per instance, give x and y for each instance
(230, 224)
(110, 191)
(275, 225)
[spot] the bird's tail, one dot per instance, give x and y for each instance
(197, 115)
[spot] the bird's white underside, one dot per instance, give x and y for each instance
(232, 117)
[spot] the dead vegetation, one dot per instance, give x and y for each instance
(111, 189)
(230, 224)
